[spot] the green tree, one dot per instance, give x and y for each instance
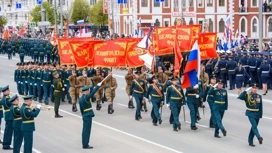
(81, 11)
(3, 21)
(49, 10)
(97, 15)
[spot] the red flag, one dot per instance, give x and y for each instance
(6, 34)
(178, 56)
(22, 31)
(53, 38)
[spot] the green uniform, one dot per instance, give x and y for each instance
(28, 126)
(17, 123)
(57, 93)
(254, 112)
(85, 103)
(21, 54)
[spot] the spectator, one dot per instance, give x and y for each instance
(265, 6)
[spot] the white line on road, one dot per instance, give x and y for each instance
(122, 105)
(125, 133)
(33, 149)
(119, 76)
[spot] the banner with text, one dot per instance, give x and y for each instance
(207, 45)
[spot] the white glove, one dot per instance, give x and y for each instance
(65, 85)
(35, 84)
(19, 82)
(63, 89)
(196, 86)
(248, 89)
(215, 85)
(52, 85)
(31, 84)
(99, 84)
(25, 81)
(41, 85)
(39, 106)
(197, 95)
(167, 105)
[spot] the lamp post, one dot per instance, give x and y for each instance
(260, 26)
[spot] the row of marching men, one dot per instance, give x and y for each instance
(170, 92)
(242, 68)
(57, 83)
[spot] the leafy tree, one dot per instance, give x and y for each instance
(97, 15)
(81, 11)
(49, 10)
(3, 21)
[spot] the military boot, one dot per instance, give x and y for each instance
(111, 109)
(57, 115)
(145, 108)
(98, 105)
(74, 108)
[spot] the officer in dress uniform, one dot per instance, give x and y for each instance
(21, 54)
(46, 82)
(26, 78)
(17, 124)
(240, 73)
(57, 82)
(1, 110)
(231, 65)
(48, 50)
(129, 78)
(39, 73)
(73, 90)
(211, 101)
(137, 90)
(98, 96)
(8, 118)
(85, 104)
(252, 62)
(35, 50)
(17, 77)
(175, 100)
(30, 79)
(144, 76)
(66, 73)
(34, 79)
(220, 105)
(110, 85)
(254, 111)
(244, 62)
(155, 91)
(222, 65)
(41, 53)
(28, 124)
(265, 69)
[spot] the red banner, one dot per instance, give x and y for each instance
(184, 37)
(105, 6)
(65, 52)
(132, 59)
(82, 50)
(164, 41)
(195, 32)
(110, 54)
(207, 45)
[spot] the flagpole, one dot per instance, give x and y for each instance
(153, 48)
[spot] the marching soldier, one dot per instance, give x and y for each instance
(28, 124)
(145, 77)
(9, 51)
(21, 54)
(41, 53)
(26, 87)
(265, 69)
(222, 65)
(211, 101)
(1, 110)
(57, 82)
(254, 111)
(35, 53)
(137, 90)
(220, 105)
(46, 82)
(244, 62)
(34, 81)
(155, 91)
(85, 104)
(231, 65)
(74, 91)
(175, 100)
(66, 73)
(252, 62)
(111, 85)
(39, 74)
(98, 95)
(17, 124)
(129, 79)
(8, 118)
(17, 77)
(240, 73)
(48, 50)
(84, 80)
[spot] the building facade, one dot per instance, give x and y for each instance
(243, 13)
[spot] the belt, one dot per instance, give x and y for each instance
(137, 91)
(22, 77)
(19, 118)
(252, 67)
(38, 78)
(154, 95)
(57, 91)
(191, 94)
(265, 71)
(30, 121)
(88, 109)
(210, 95)
(245, 66)
(239, 75)
(223, 69)
(231, 70)
(219, 102)
(45, 81)
(7, 110)
(176, 98)
(32, 77)
(253, 110)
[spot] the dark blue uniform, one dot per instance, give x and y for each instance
(231, 65)
(137, 90)
(222, 67)
(17, 124)
(265, 70)
(240, 76)
(244, 62)
(252, 62)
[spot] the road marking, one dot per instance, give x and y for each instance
(12, 65)
(269, 118)
(33, 149)
(122, 105)
(119, 76)
(125, 133)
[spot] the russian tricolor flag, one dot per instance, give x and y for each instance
(192, 68)
(80, 22)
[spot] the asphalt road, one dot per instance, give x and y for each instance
(120, 133)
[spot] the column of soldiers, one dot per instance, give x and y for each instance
(37, 49)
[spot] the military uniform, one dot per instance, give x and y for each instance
(222, 65)
(17, 123)
(48, 50)
(265, 69)
(155, 91)
(66, 74)
(9, 51)
(231, 65)
(175, 97)
(17, 78)
(129, 79)
(28, 124)
(252, 62)
(110, 85)
(21, 54)
(46, 83)
(98, 95)
(8, 118)
(85, 103)
(220, 105)
(144, 77)
(84, 81)
(74, 91)
(35, 50)
(1, 110)
(41, 53)
(211, 102)
(137, 90)
(254, 112)
(57, 82)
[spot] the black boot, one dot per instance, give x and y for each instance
(98, 105)
(111, 108)
(57, 115)
(129, 104)
(145, 108)
(132, 105)
(74, 108)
